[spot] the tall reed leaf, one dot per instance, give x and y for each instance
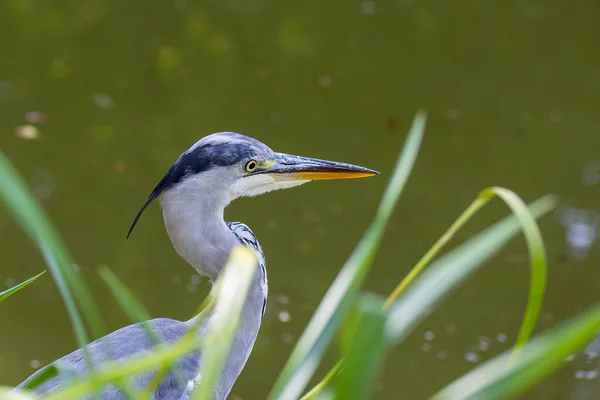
(6, 394)
(9, 292)
(535, 246)
(232, 288)
(366, 353)
(504, 378)
(29, 215)
(128, 302)
(537, 256)
(445, 274)
(46, 373)
(325, 321)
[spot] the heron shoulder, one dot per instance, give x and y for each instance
(248, 238)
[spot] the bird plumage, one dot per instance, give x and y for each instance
(134, 340)
(193, 195)
(121, 344)
(247, 237)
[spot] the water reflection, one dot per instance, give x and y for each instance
(581, 229)
(591, 173)
(474, 353)
(585, 370)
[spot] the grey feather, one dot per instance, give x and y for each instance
(121, 344)
(193, 195)
(133, 340)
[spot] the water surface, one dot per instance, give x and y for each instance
(98, 98)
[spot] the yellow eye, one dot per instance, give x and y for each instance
(250, 166)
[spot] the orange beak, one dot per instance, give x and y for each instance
(289, 167)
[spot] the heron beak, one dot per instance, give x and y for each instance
(286, 167)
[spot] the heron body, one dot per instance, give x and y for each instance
(193, 195)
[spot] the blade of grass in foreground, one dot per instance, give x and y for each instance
(538, 266)
(503, 378)
(30, 216)
(48, 372)
(331, 311)
(16, 288)
(128, 302)
(6, 394)
(366, 352)
(449, 271)
(436, 287)
(233, 285)
(535, 246)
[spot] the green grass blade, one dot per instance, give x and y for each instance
(481, 200)
(536, 252)
(6, 394)
(128, 302)
(49, 372)
(29, 215)
(366, 353)
(66, 373)
(448, 272)
(16, 288)
(331, 311)
(537, 261)
(535, 246)
(327, 379)
(504, 378)
(232, 289)
(538, 267)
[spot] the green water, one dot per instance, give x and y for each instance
(512, 90)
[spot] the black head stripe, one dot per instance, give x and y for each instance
(216, 153)
(211, 155)
(163, 185)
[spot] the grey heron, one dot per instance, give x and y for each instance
(193, 195)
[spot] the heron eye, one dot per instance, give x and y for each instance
(250, 166)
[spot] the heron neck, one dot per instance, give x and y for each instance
(197, 230)
(201, 237)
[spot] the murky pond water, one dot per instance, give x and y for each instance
(98, 98)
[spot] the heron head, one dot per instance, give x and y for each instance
(226, 165)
